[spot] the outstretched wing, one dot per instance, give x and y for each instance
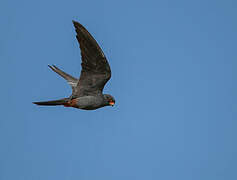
(95, 68)
(71, 80)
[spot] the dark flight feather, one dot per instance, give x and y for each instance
(71, 80)
(95, 69)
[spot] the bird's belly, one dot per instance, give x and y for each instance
(89, 103)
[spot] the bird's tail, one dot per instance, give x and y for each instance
(53, 103)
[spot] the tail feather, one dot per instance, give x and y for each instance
(52, 103)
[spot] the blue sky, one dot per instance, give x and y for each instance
(173, 76)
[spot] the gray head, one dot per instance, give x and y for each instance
(109, 100)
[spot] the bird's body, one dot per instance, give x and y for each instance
(87, 102)
(87, 90)
(90, 102)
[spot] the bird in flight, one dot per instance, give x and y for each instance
(87, 91)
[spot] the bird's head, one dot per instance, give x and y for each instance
(109, 100)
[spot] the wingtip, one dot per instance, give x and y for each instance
(55, 67)
(74, 22)
(50, 66)
(77, 24)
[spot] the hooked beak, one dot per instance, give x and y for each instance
(111, 103)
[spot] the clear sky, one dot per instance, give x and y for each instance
(173, 76)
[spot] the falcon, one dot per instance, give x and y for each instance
(87, 91)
